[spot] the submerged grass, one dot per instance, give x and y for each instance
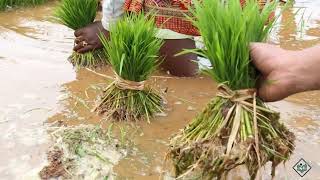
(133, 54)
(4, 4)
(236, 127)
(77, 14)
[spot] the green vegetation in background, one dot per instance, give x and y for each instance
(77, 14)
(226, 133)
(4, 4)
(133, 54)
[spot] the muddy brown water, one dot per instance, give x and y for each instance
(38, 85)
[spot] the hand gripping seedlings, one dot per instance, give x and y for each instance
(132, 50)
(236, 127)
(77, 14)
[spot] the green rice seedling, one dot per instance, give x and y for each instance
(77, 14)
(236, 127)
(4, 4)
(133, 54)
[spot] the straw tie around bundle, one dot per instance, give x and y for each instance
(235, 96)
(129, 85)
(123, 84)
(240, 97)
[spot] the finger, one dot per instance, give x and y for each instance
(103, 33)
(79, 39)
(85, 49)
(77, 47)
(78, 32)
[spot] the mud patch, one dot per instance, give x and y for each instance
(56, 168)
(84, 152)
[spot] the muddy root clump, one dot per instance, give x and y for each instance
(125, 104)
(223, 137)
(55, 168)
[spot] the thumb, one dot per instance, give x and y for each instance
(262, 56)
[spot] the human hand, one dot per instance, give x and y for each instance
(87, 38)
(285, 72)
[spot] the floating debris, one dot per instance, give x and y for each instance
(178, 102)
(163, 114)
(56, 167)
(84, 152)
(191, 108)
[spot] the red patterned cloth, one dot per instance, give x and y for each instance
(170, 14)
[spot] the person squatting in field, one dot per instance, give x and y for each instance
(170, 18)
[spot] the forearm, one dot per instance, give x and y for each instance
(112, 10)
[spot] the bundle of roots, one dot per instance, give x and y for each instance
(236, 128)
(92, 59)
(129, 100)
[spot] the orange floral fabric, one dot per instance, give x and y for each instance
(170, 14)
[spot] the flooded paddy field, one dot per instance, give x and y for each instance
(39, 86)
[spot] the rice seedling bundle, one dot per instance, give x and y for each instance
(133, 54)
(236, 127)
(77, 14)
(4, 4)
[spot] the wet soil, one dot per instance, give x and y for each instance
(55, 168)
(38, 85)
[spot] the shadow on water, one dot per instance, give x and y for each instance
(39, 86)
